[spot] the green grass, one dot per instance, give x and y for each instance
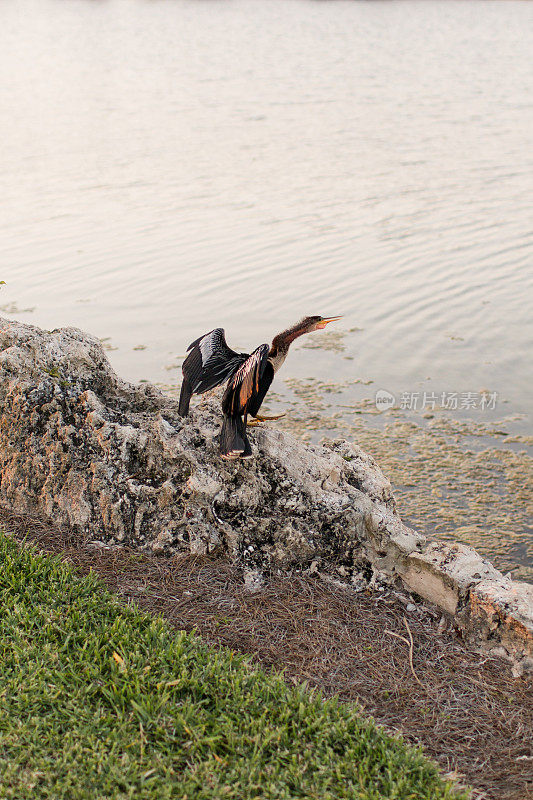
(101, 701)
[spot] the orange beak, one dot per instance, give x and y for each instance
(326, 321)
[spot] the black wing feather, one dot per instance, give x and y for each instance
(210, 362)
(264, 385)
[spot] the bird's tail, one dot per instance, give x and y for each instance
(185, 397)
(233, 440)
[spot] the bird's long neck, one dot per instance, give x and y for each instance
(282, 342)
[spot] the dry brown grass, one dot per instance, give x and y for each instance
(412, 675)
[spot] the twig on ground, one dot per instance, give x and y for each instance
(409, 643)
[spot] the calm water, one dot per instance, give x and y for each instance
(172, 166)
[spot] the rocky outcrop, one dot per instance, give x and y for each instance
(84, 449)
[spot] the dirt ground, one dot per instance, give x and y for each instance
(402, 664)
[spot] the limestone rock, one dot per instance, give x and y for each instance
(85, 449)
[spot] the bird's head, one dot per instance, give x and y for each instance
(306, 325)
(316, 323)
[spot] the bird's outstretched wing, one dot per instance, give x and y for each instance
(244, 386)
(210, 362)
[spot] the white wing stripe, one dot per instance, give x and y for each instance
(208, 345)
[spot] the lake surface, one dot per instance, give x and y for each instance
(168, 167)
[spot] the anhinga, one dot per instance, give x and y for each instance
(211, 362)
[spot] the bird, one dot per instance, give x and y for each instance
(210, 362)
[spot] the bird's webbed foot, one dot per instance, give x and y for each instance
(254, 422)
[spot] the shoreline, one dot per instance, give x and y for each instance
(92, 452)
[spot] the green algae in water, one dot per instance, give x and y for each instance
(455, 480)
